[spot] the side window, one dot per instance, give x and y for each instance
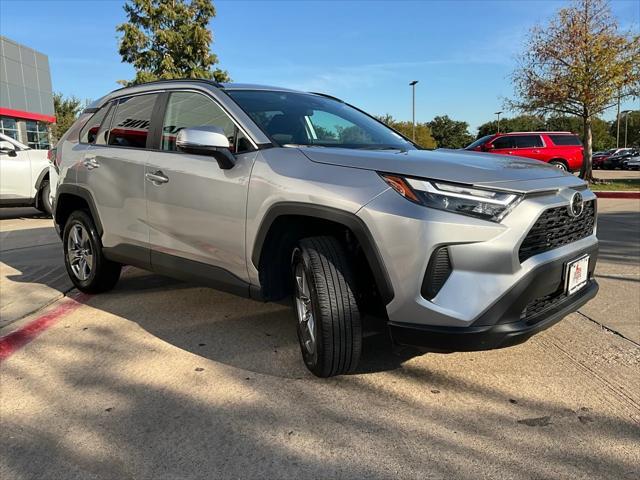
(503, 142)
(90, 130)
(189, 109)
(102, 137)
(131, 121)
(528, 141)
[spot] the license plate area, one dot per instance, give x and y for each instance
(577, 274)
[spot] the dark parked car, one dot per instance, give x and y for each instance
(617, 160)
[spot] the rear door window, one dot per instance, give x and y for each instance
(503, 142)
(90, 130)
(528, 141)
(131, 121)
(572, 140)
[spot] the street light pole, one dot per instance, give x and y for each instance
(498, 114)
(413, 91)
(618, 122)
(626, 124)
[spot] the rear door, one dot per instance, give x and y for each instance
(198, 213)
(530, 146)
(113, 171)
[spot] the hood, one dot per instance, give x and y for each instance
(459, 166)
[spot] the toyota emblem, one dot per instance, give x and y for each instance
(576, 205)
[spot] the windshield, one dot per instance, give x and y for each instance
(291, 118)
(478, 142)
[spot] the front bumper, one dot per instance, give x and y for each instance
(504, 324)
(482, 303)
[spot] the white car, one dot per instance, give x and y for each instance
(24, 176)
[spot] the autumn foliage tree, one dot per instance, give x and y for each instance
(166, 39)
(424, 138)
(577, 65)
(66, 111)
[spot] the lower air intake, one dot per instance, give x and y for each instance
(438, 272)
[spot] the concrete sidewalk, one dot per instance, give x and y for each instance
(617, 305)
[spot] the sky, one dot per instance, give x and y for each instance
(365, 52)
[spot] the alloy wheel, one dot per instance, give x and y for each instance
(79, 252)
(304, 309)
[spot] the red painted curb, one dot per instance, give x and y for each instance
(616, 194)
(14, 341)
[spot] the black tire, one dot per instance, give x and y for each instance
(103, 274)
(338, 329)
(560, 165)
(44, 204)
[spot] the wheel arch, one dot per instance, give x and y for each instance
(44, 175)
(560, 160)
(70, 198)
(297, 219)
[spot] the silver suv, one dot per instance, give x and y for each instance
(271, 193)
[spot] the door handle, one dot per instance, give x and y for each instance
(157, 178)
(90, 163)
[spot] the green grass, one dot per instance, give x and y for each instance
(616, 184)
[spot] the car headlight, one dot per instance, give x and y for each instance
(476, 202)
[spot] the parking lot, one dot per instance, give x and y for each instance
(161, 379)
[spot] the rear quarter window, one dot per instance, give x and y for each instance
(563, 140)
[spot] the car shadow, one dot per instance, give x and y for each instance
(12, 213)
(253, 336)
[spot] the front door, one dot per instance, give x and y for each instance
(15, 174)
(196, 210)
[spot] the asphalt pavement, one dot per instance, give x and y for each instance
(164, 380)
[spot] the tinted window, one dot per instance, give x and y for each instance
(103, 133)
(131, 121)
(565, 139)
(90, 130)
(477, 143)
(528, 141)
(504, 142)
(307, 119)
(188, 109)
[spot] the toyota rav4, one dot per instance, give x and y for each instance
(271, 193)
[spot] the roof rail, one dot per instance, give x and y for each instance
(156, 82)
(537, 131)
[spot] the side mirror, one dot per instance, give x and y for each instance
(8, 148)
(487, 147)
(206, 140)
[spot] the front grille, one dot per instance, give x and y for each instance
(556, 228)
(438, 272)
(540, 305)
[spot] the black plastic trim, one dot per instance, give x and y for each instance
(199, 273)
(489, 336)
(349, 220)
(75, 190)
(43, 174)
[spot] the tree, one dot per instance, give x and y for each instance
(602, 139)
(423, 131)
(450, 133)
(577, 65)
(66, 112)
(165, 39)
(521, 123)
(633, 129)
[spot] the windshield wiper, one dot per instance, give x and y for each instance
(384, 147)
